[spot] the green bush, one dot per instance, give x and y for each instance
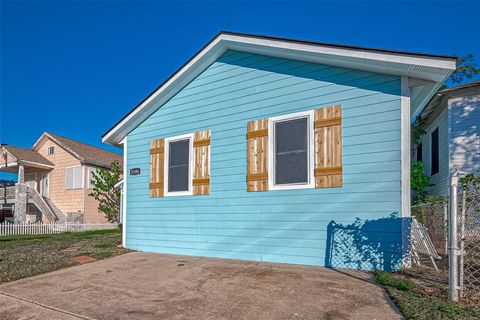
(386, 279)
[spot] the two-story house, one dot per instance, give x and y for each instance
(57, 173)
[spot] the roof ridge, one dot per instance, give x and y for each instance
(84, 143)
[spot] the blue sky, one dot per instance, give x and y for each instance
(75, 68)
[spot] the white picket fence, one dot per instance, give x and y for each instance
(7, 229)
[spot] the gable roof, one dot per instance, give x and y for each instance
(438, 99)
(27, 156)
(432, 70)
(84, 152)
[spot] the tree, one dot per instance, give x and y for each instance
(419, 182)
(466, 69)
(104, 191)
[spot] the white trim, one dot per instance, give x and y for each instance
(311, 151)
(167, 193)
(405, 171)
(40, 180)
(124, 193)
(435, 69)
(9, 165)
(405, 146)
(82, 178)
(119, 184)
(46, 134)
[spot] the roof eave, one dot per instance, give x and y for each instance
(427, 67)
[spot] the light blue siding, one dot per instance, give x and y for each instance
(356, 226)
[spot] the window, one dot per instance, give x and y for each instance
(420, 153)
(178, 165)
(74, 178)
(50, 150)
(90, 172)
(435, 157)
(291, 160)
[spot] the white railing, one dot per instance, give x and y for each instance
(7, 229)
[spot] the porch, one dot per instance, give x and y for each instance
(28, 198)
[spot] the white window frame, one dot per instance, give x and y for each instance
(189, 192)
(82, 178)
(50, 148)
(311, 151)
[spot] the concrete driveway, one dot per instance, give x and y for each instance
(155, 286)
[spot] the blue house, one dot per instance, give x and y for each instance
(279, 150)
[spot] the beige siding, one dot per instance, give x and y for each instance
(91, 205)
(76, 200)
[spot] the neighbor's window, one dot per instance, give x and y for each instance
(420, 153)
(435, 159)
(292, 158)
(73, 178)
(50, 150)
(90, 171)
(178, 164)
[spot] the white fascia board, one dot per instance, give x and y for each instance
(401, 64)
(235, 42)
(180, 79)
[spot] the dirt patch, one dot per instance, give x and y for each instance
(83, 259)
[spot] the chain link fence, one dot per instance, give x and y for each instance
(463, 252)
(469, 240)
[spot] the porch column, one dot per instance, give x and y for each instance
(21, 173)
(20, 213)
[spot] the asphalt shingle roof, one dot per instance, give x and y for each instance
(88, 153)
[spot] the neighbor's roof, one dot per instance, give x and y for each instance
(431, 70)
(436, 101)
(84, 152)
(27, 155)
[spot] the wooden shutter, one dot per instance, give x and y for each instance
(201, 153)
(257, 155)
(157, 158)
(328, 147)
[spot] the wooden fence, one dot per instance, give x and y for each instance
(7, 229)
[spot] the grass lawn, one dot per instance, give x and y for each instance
(418, 301)
(26, 256)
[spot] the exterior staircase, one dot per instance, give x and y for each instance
(44, 206)
(60, 215)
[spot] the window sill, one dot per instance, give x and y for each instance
(291, 186)
(178, 193)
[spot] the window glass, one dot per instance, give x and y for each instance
(73, 178)
(419, 153)
(178, 165)
(435, 153)
(291, 151)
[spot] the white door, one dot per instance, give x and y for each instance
(44, 185)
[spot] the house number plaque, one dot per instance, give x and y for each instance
(134, 171)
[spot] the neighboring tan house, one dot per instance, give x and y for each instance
(57, 172)
(278, 150)
(451, 142)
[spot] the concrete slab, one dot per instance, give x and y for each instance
(155, 286)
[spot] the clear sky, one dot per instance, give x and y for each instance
(75, 68)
